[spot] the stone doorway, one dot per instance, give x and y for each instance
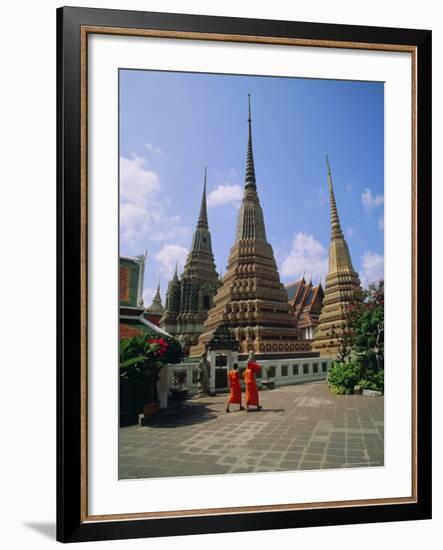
(221, 371)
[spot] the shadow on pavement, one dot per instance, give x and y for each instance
(183, 413)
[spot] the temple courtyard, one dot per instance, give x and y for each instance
(301, 427)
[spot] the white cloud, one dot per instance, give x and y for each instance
(349, 187)
(134, 224)
(140, 223)
(370, 201)
(143, 215)
(225, 194)
(306, 254)
(156, 151)
(136, 182)
(350, 232)
(167, 257)
(372, 267)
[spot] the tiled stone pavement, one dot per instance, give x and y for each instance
(301, 427)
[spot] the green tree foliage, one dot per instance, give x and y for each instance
(360, 359)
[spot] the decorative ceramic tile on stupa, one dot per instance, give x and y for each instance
(190, 297)
(342, 283)
(252, 301)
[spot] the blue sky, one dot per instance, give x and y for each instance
(172, 125)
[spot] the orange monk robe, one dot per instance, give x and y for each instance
(234, 385)
(251, 386)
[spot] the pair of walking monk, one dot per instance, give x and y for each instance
(250, 386)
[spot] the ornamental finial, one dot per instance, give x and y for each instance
(250, 169)
(203, 216)
(336, 232)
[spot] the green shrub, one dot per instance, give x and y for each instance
(373, 380)
(342, 377)
(367, 385)
(337, 390)
(379, 380)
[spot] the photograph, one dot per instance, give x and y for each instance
(251, 274)
(235, 197)
(225, 210)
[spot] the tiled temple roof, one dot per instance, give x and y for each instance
(303, 295)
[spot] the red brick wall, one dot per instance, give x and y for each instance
(126, 331)
(124, 284)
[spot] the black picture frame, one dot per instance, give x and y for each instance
(71, 523)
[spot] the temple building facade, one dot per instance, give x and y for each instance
(131, 274)
(342, 283)
(131, 308)
(306, 301)
(190, 297)
(132, 314)
(252, 303)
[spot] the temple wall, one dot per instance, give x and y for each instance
(284, 372)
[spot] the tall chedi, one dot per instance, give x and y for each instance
(190, 297)
(342, 283)
(168, 320)
(156, 308)
(252, 302)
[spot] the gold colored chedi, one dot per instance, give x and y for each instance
(342, 282)
(252, 301)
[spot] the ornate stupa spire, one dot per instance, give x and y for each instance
(156, 307)
(250, 168)
(157, 294)
(202, 238)
(168, 320)
(342, 284)
(336, 232)
(339, 256)
(250, 222)
(197, 285)
(252, 305)
(203, 217)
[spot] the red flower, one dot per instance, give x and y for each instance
(162, 345)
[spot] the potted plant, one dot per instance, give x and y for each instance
(141, 359)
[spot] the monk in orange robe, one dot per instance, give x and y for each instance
(251, 385)
(235, 388)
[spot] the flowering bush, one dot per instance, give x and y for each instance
(159, 345)
(142, 358)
